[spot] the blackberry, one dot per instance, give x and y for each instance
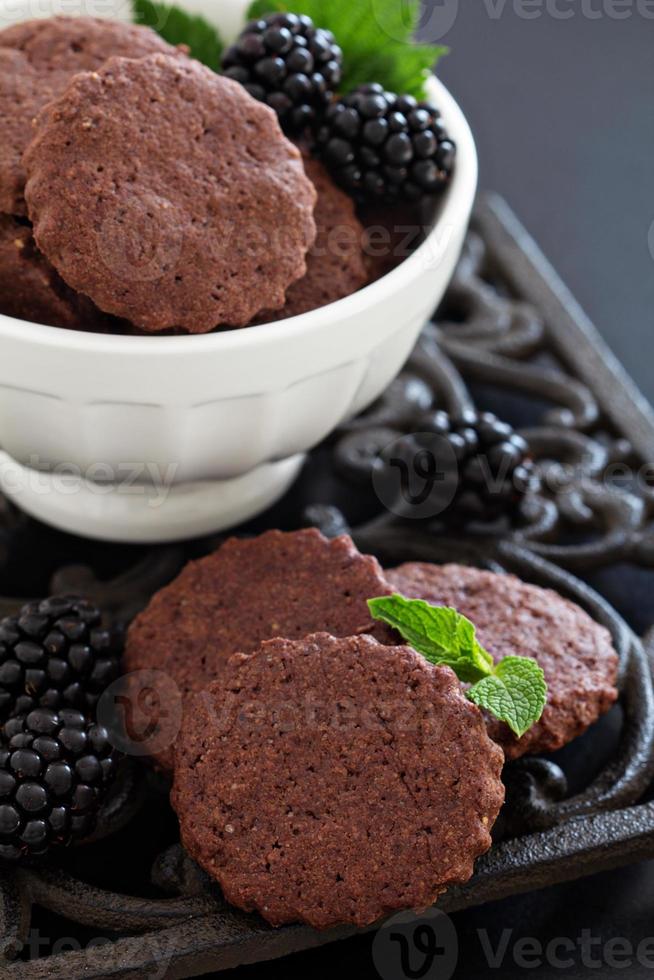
(55, 654)
(55, 768)
(494, 467)
(286, 62)
(381, 146)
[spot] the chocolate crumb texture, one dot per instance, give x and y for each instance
(32, 290)
(333, 781)
(182, 205)
(286, 584)
(38, 59)
(336, 264)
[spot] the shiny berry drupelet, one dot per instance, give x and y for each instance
(55, 654)
(288, 63)
(485, 468)
(380, 146)
(55, 768)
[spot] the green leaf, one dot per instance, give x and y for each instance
(515, 693)
(261, 8)
(179, 27)
(514, 690)
(440, 634)
(376, 37)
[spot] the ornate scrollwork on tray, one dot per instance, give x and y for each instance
(595, 505)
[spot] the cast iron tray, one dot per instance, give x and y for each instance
(509, 338)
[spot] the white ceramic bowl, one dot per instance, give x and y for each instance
(167, 437)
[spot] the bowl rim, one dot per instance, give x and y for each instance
(454, 210)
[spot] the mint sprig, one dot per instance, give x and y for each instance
(439, 633)
(377, 38)
(179, 27)
(514, 690)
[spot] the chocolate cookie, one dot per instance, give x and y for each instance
(515, 618)
(169, 195)
(279, 584)
(30, 289)
(335, 265)
(38, 58)
(335, 781)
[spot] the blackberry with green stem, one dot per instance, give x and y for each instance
(383, 146)
(55, 769)
(290, 64)
(55, 654)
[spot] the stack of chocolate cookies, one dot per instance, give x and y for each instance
(323, 771)
(142, 192)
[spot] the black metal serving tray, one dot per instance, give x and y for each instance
(509, 338)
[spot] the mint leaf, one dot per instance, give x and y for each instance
(261, 8)
(376, 37)
(514, 690)
(515, 693)
(440, 634)
(179, 27)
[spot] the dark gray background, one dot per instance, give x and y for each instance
(563, 113)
